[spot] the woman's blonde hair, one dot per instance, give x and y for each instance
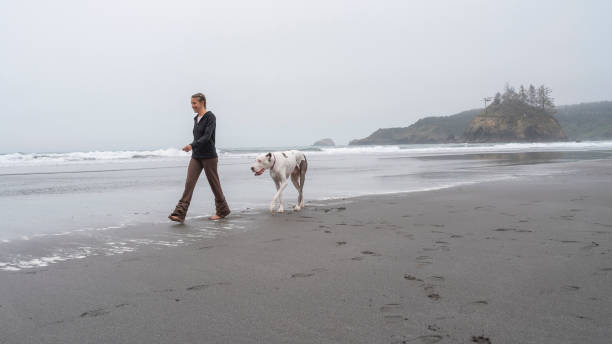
(200, 97)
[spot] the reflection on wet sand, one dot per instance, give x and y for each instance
(523, 158)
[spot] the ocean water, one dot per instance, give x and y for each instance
(62, 206)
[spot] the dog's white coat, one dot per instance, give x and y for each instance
(283, 165)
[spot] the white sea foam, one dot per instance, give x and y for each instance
(466, 148)
(111, 248)
(58, 159)
(47, 159)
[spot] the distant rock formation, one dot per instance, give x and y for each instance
(445, 129)
(324, 142)
(514, 121)
(585, 121)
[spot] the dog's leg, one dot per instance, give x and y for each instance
(294, 178)
(277, 183)
(280, 186)
(303, 168)
(283, 185)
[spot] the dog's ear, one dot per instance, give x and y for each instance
(269, 156)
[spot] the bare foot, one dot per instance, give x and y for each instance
(176, 218)
(215, 217)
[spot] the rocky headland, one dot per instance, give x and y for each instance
(512, 121)
(528, 115)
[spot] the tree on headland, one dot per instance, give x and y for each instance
(539, 97)
(531, 95)
(509, 94)
(544, 101)
(497, 99)
(522, 95)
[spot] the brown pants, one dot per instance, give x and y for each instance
(193, 173)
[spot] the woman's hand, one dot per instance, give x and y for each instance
(187, 148)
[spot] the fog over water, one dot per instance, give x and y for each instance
(117, 75)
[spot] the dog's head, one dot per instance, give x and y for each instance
(262, 162)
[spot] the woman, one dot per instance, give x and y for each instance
(203, 156)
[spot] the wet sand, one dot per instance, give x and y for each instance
(518, 261)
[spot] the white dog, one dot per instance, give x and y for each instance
(282, 165)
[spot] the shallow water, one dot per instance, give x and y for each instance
(69, 205)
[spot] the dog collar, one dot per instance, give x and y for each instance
(274, 161)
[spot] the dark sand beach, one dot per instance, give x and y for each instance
(527, 260)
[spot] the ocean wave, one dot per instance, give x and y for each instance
(34, 159)
(462, 148)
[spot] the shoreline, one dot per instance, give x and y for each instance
(515, 261)
(139, 233)
(50, 240)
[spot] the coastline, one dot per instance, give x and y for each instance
(524, 260)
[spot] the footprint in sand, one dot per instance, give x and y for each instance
(424, 259)
(473, 307)
(431, 339)
(570, 288)
(434, 328)
(481, 340)
(205, 286)
(308, 274)
(431, 292)
(582, 317)
(434, 296)
(274, 240)
(513, 230)
(391, 307)
(396, 317)
(94, 313)
(302, 274)
(593, 244)
(199, 287)
(412, 278)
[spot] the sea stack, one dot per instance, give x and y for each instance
(514, 121)
(325, 142)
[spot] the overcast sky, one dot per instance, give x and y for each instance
(117, 75)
